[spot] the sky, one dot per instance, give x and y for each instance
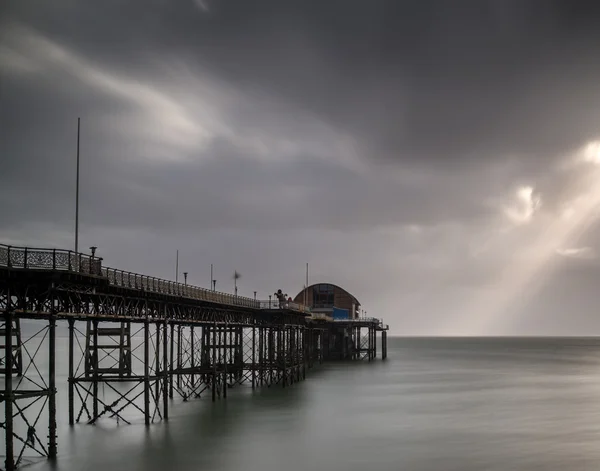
(439, 160)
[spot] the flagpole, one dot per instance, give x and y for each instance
(77, 193)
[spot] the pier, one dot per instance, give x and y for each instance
(144, 342)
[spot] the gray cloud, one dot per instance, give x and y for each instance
(384, 142)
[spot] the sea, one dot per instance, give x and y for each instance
(435, 404)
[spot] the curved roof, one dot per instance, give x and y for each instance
(330, 284)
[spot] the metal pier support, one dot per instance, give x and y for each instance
(29, 387)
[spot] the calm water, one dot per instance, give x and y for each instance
(436, 404)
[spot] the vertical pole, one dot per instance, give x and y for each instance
(192, 358)
(179, 337)
(226, 350)
(374, 343)
(261, 343)
(52, 386)
(95, 380)
(296, 333)
(303, 351)
(146, 372)
(253, 353)
(282, 350)
(171, 343)
(77, 193)
(165, 370)
(177, 267)
(214, 361)
(383, 345)
(8, 404)
(271, 346)
(71, 372)
(156, 372)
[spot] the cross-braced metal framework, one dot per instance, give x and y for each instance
(29, 386)
(105, 385)
(190, 371)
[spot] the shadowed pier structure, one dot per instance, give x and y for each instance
(136, 342)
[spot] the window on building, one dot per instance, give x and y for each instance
(323, 296)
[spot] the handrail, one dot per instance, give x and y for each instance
(275, 304)
(70, 261)
(157, 285)
(371, 320)
(49, 259)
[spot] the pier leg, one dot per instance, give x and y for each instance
(374, 343)
(304, 351)
(261, 355)
(52, 449)
(253, 354)
(192, 357)
(179, 359)
(271, 353)
(214, 362)
(165, 370)
(226, 351)
(156, 371)
(171, 343)
(71, 372)
(383, 345)
(95, 361)
(283, 355)
(146, 373)
(8, 387)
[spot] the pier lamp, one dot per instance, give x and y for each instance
(214, 284)
(93, 249)
(255, 295)
(185, 273)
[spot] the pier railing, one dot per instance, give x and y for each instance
(70, 261)
(157, 285)
(275, 304)
(49, 259)
(370, 320)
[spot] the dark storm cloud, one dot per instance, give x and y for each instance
(437, 80)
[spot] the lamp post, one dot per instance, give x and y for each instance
(185, 273)
(255, 295)
(269, 301)
(214, 282)
(93, 249)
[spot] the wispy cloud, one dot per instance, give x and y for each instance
(586, 253)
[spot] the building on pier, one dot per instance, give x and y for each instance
(329, 299)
